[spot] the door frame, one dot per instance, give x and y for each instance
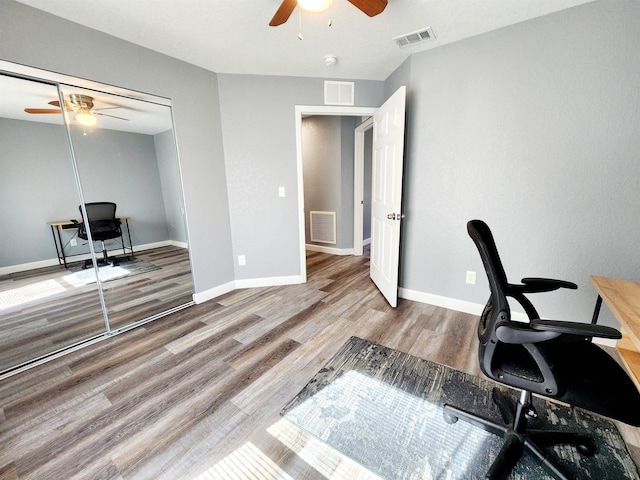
(300, 112)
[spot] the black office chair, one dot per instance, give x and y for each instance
(103, 225)
(552, 358)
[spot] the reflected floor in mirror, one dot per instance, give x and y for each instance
(46, 309)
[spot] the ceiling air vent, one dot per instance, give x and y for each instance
(413, 38)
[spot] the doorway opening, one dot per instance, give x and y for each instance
(358, 187)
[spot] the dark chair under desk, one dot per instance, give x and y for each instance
(103, 225)
(555, 359)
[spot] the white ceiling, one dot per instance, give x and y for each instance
(233, 36)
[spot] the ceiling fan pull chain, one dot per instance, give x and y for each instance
(300, 24)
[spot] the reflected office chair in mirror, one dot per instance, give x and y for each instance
(104, 225)
(551, 358)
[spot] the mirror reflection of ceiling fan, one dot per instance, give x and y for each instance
(81, 104)
(370, 7)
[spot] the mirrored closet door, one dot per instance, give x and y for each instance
(44, 308)
(74, 150)
(126, 155)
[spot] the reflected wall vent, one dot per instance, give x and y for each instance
(413, 38)
(323, 227)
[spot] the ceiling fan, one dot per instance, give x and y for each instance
(370, 7)
(82, 104)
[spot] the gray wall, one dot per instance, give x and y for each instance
(121, 167)
(171, 186)
(258, 126)
(533, 128)
(36, 186)
(322, 168)
(366, 190)
(31, 37)
(327, 156)
(347, 152)
(35, 167)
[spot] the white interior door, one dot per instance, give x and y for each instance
(386, 194)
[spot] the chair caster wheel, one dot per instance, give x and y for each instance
(586, 448)
(449, 417)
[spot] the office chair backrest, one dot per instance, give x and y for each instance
(483, 238)
(102, 220)
(513, 364)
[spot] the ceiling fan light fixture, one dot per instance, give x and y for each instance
(314, 5)
(85, 118)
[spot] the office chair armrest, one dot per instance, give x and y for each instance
(509, 332)
(575, 328)
(535, 285)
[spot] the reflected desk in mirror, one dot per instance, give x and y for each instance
(59, 226)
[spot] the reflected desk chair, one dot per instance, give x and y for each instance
(103, 225)
(552, 358)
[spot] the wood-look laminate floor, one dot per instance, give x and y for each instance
(197, 394)
(56, 310)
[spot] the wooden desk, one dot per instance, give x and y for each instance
(623, 299)
(58, 226)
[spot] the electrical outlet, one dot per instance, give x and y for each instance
(281, 191)
(73, 242)
(242, 260)
(471, 277)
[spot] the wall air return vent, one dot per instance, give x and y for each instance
(323, 227)
(413, 38)
(339, 93)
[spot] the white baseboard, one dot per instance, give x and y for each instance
(270, 281)
(471, 308)
(212, 293)
(175, 243)
(439, 301)
(246, 283)
(329, 250)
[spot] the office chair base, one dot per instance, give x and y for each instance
(105, 260)
(102, 263)
(518, 438)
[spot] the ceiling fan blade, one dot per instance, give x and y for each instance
(112, 116)
(43, 110)
(370, 7)
(105, 108)
(67, 105)
(283, 13)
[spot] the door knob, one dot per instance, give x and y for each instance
(391, 216)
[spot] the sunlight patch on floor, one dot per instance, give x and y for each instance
(246, 462)
(85, 277)
(327, 461)
(29, 293)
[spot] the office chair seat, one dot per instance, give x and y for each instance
(595, 381)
